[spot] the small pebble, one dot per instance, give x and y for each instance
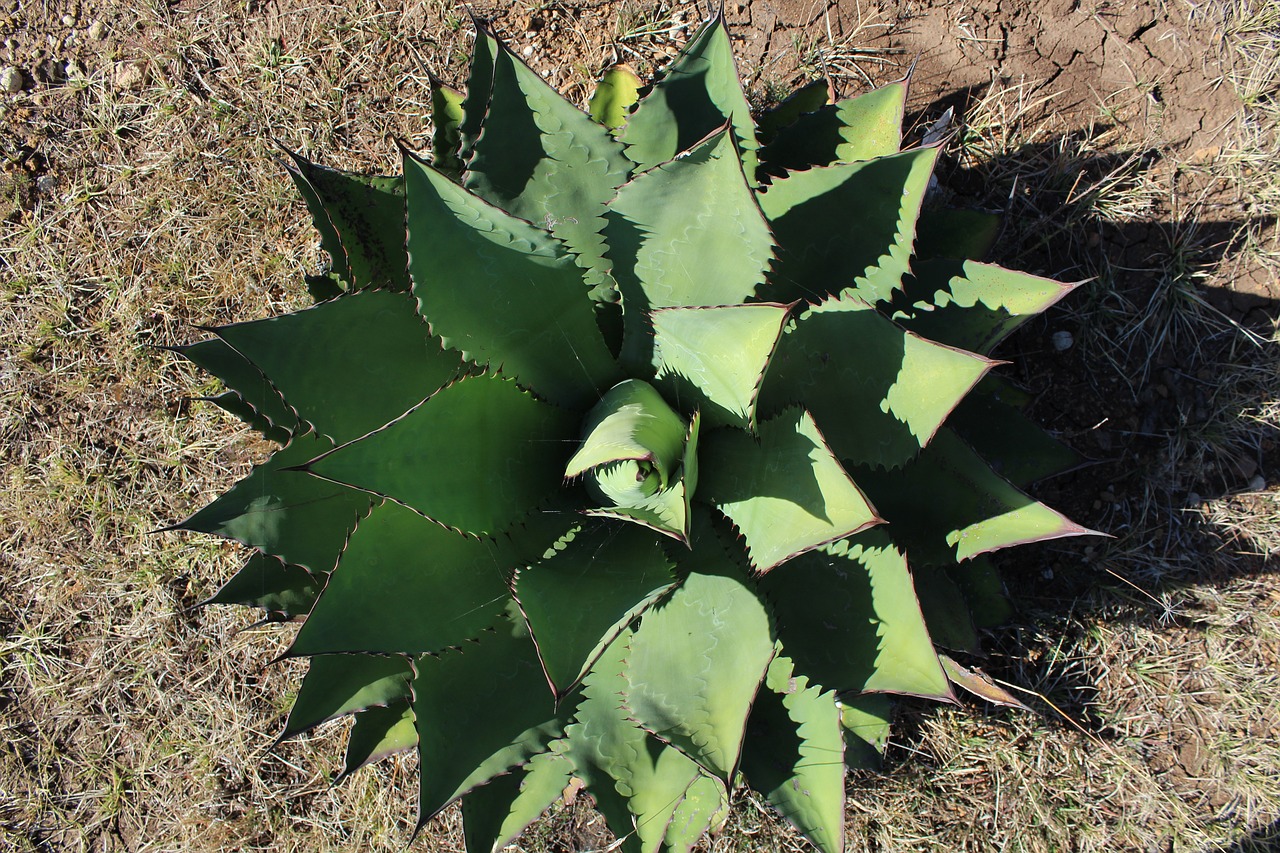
(1062, 341)
(46, 184)
(11, 80)
(1258, 484)
(68, 20)
(128, 75)
(97, 31)
(527, 51)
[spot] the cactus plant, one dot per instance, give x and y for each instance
(608, 435)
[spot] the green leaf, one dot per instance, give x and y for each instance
(971, 305)
(950, 626)
(865, 719)
(636, 780)
(696, 662)
(524, 308)
(235, 405)
(693, 97)
(378, 733)
(945, 232)
(990, 419)
(407, 585)
(360, 219)
(794, 754)
(878, 393)
(847, 615)
(846, 226)
(685, 233)
(703, 808)
(631, 421)
(475, 106)
(983, 591)
(349, 365)
(606, 575)
(286, 513)
(969, 510)
(848, 131)
(481, 710)
(248, 382)
(809, 98)
(785, 493)
(275, 586)
(615, 95)
(447, 116)
(714, 358)
(337, 685)
(542, 159)
(475, 456)
(495, 814)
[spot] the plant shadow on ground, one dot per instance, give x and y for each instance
(1166, 381)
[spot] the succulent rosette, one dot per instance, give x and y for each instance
(605, 442)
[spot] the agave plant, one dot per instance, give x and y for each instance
(608, 435)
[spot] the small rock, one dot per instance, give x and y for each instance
(1062, 340)
(12, 80)
(1258, 484)
(68, 20)
(129, 75)
(46, 184)
(527, 51)
(52, 72)
(97, 31)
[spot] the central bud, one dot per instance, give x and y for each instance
(638, 459)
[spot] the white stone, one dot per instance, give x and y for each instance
(11, 80)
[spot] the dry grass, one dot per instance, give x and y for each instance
(129, 213)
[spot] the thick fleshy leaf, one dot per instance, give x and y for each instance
(794, 754)
(685, 233)
(248, 382)
(349, 365)
(704, 807)
(287, 513)
(696, 662)
(944, 232)
(273, 585)
(614, 97)
(631, 422)
(636, 780)
(714, 358)
(337, 685)
(542, 159)
(606, 575)
(809, 98)
(978, 683)
(235, 405)
(949, 623)
(846, 226)
(495, 814)
(971, 305)
(360, 219)
(524, 308)
(476, 456)
(979, 583)
(847, 615)
(407, 585)
(475, 105)
(481, 710)
(447, 115)
(378, 733)
(854, 129)
(865, 719)
(695, 95)
(991, 420)
(785, 493)
(948, 505)
(878, 393)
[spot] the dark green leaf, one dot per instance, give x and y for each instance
(878, 393)
(949, 623)
(809, 98)
(377, 733)
(349, 365)
(605, 574)
(361, 222)
(238, 373)
(854, 129)
(447, 115)
(337, 685)
(944, 232)
(495, 814)
(865, 719)
(785, 493)
(983, 591)
(407, 585)
(235, 405)
(524, 307)
(286, 513)
(475, 105)
(847, 615)
(275, 586)
(846, 226)
(476, 456)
